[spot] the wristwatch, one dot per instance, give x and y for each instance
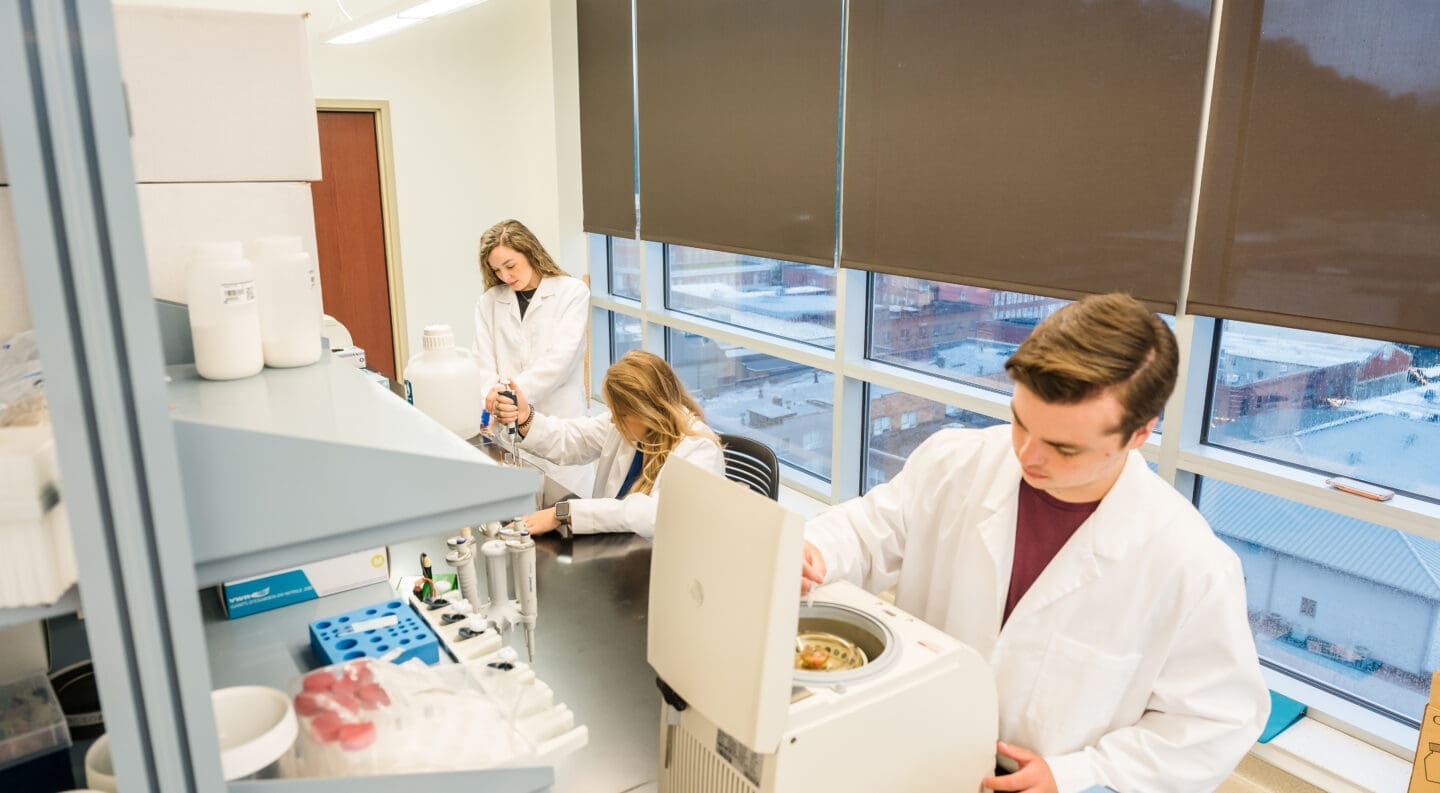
(562, 514)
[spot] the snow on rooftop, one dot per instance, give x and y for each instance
(1366, 550)
(1298, 347)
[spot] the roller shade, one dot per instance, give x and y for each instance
(739, 101)
(1320, 204)
(1034, 146)
(607, 116)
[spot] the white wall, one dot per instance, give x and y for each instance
(474, 109)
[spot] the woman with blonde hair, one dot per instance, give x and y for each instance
(652, 419)
(530, 328)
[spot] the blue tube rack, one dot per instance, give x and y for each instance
(335, 639)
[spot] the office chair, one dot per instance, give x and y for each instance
(751, 463)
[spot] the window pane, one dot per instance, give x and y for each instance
(793, 301)
(625, 267)
(1342, 602)
(1366, 409)
(961, 333)
(624, 335)
(897, 422)
(783, 404)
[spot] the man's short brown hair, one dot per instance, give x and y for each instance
(1099, 343)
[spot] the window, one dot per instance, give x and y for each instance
(624, 268)
(624, 335)
(1272, 392)
(772, 400)
(885, 452)
(1336, 404)
(1374, 641)
(785, 299)
(961, 333)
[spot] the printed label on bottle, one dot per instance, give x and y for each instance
(314, 278)
(237, 293)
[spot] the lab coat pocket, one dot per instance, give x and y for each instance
(1077, 693)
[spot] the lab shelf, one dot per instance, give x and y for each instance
(68, 603)
(295, 465)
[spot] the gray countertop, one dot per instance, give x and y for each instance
(590, 647)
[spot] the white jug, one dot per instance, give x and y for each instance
(446, 383)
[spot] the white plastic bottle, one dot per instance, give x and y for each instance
(224, 317)
(446, 383)
(288, 285)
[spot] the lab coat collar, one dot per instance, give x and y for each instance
(1112, 536)
(997, 530)
(547, 288)
(1105, 537)
(545, 291)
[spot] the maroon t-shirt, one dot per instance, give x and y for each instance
(1043, 526)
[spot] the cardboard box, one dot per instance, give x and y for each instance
(1426, 776)
(306, 582)
(176, 216)
(218, 96)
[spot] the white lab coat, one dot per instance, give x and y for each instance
(544, 353)
(583, 440)
(1128, 663)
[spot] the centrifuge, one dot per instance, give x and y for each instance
(766, 693)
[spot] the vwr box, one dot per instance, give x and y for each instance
(306, 582)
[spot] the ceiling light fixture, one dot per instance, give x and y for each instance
(392, 18)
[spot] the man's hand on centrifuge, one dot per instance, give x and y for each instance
(812, 569)
(1033, 775)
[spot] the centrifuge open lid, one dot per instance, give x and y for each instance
(724, 601)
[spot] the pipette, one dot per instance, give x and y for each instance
(522, 563)
(509, 393)
(461, 556)
(496, 574)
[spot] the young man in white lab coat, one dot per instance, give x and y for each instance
(1113, 618)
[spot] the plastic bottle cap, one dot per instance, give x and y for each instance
(438, 337)
(224, 250)
(279, 246)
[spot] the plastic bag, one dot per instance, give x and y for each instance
(367, 717)
(22, 383)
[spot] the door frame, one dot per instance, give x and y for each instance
(390, 217)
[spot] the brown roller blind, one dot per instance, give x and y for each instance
(738, 121)
(1036, 146)
(1320, 205)
(607, 116)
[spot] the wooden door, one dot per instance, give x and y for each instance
(350, 235)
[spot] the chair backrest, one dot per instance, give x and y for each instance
(751, 463)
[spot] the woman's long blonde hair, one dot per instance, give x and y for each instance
(513, 235)
(642, 384)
